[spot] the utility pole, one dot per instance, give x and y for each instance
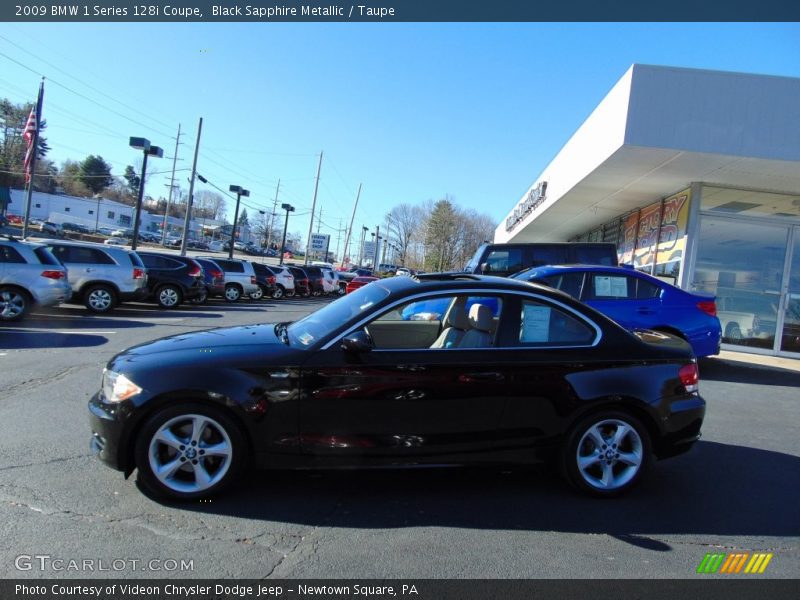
(377, 246)
(313, 208)
(338, 237)
(191, 191)
(171, 187)
(272, 216)
(350, 229)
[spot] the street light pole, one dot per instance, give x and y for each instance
(240, 191)
(143, 145)
(288, 208)
(364, 230)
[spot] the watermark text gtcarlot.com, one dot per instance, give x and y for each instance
(46, 562)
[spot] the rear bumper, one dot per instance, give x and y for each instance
(685, 421)
(136, 296)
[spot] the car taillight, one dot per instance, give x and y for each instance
(195, 270)
(138, 273)
(54, 274)
(690, 377)
(217, 275)
(271, 279)
(708, 306)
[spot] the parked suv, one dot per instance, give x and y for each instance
(171, 279)
(52, 228)
(302, 285)
(284, 284)
(265, 278)
(214, 280)
(101, 276)
(29, 274)
(315, 280)
(240, 278)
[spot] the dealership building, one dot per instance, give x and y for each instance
(695, 176)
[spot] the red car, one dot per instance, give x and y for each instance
(358, 282)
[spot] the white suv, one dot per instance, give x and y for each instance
(29, 274)
(240, 278)
(101, 276)
(284, 281)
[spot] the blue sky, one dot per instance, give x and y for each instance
(413, 111)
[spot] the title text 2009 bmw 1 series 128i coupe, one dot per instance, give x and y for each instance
(406, 371)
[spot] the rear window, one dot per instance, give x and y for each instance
(231, 266)
(135, 259)
(45, 256)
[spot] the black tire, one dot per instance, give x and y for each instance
(14, 304)
(169, 296)
(291, 293)
(201, 299)
(733, 332)
(277, 293)
(342, 290)
(210, 427)
(606, 453)
(258, 295)
(233, 293)
(99, 298)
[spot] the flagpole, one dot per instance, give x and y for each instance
(32, 164)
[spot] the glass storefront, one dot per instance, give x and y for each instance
(752, 265)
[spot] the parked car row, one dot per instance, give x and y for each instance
(101, 276)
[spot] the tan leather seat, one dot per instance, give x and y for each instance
(456, 327)
(480, 333)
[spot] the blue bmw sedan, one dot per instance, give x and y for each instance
(638, 301)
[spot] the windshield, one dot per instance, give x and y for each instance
(474, 262)
(327, 319)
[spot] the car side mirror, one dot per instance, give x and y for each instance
(485, 268)
(357, 342)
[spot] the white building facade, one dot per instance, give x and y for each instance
(695, 176)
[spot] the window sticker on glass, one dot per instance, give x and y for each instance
(614, 287)
(535, 323)
(306, 339)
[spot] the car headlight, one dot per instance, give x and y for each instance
(117, 387)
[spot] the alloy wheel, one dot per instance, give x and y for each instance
(13, 305)
(609, 454)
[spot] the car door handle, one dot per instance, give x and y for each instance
(89, 269)
(480, 377)
(645, 311)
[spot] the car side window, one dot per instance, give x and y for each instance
(503, 261)
(545, 325)
(570, 283)
(646, 289)
(10, 255)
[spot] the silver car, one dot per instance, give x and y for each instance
(101, 276)
(240, 278)
(29, 274)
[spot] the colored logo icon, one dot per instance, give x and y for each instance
(735, 563)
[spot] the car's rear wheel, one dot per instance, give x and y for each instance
(277, 293)
(291, 293)
(258, 294)
(14, 304)
(99, 298)
(233, 292)
(189, 451)
(201, 299)
(169, 296)
(606, 453)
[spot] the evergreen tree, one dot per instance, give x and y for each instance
(95, 174)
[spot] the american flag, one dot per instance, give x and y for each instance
(29, 135)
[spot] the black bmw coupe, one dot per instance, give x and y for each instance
(440, 369)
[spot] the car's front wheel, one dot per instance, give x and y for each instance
(14, 304)
(169, 296)
(201, 299)
(233, 293)
(99, 298)
(189, 451)
(606, 453)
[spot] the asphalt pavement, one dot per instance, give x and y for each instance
(737, 490)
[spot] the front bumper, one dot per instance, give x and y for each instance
(107, 424)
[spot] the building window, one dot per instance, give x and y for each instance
(66, 209)
(110, 214)
(91, 212)
(38, 206)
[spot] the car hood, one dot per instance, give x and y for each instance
(209, 340)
